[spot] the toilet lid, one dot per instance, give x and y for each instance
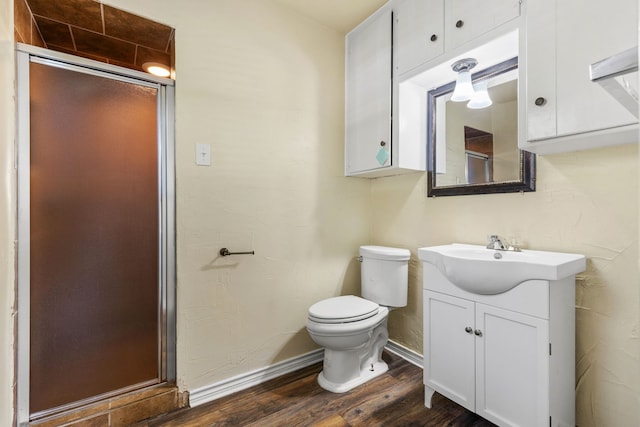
(342, 309)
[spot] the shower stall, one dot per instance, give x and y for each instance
(96, 233)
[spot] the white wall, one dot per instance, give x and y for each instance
(264, 86)
(586, 202)
(7, 211)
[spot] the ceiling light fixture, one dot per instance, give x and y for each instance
(156, 69)
(464, 89)
(480, 97)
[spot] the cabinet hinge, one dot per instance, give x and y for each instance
(549, 349)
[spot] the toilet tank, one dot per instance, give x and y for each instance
(384, 275)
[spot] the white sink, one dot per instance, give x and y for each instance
(486, 271)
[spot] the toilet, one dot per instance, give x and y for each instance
(352, 329)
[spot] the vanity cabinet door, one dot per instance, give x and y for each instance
(419, 32)
(368, 94)
(468, 19)
(512, 365)
(563, 38)
(449, 347)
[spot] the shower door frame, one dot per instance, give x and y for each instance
(26, 54)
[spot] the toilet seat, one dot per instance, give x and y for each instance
(343, 309)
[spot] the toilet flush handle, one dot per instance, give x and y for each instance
(360, 259)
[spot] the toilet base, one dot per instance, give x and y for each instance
(366, 373)
(346, 367)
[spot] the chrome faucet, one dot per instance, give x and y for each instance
(501, 244)
(498, 243)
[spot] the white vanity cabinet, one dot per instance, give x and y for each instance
(480, 354)
(429, 28)
(509, 357)
(565, 110)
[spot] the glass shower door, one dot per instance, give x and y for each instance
(95, 242)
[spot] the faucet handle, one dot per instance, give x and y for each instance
(497, 242)
(515, 245)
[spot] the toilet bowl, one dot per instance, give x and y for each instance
(352, 329)
(352, 344)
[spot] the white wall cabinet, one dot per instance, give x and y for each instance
(560, 108)
(372, 146)
(465, 20)
(429, 28)
(400, 37)
(369, 95)
(564, 110)
(508, 357)
(419, 32)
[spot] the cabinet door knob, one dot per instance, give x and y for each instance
(478, 332)
(540, 101)
(468, 330)
(460, 23)
(382, 143)
(433, 37)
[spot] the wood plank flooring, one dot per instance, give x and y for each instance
(395, 398)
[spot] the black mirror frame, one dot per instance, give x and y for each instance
(527, 180)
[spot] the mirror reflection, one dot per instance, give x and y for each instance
(474, 149)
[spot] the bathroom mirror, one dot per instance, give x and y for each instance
(475, 150)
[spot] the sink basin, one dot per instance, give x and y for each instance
(486, 271)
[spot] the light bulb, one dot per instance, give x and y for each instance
(464, 89)
(156, 69)
(480, 98)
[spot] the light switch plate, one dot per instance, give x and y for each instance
(203, 154)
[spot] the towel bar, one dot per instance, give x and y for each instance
(225, 252)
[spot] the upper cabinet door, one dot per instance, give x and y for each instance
(541, 70)
(586, 35)
(468, 19)
(565, 110)
(419, 32)
(368, 94)
(428, 28)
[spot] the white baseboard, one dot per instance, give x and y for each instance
(406, 353)
(249, 379)
(243, 381)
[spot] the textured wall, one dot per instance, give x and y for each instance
(7, 209)
(264, 86)
(586, 202)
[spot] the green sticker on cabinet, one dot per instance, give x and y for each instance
(382, 156)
